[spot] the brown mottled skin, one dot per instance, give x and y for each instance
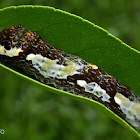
(31, 42)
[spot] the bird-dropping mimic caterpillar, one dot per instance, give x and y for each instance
(27, 51)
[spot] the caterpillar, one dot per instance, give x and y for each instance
(27, 51)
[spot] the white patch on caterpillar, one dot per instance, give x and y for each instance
(71, 68)
(45, 66)
(130, 108)
(12, 52)
(50, 68)
(93, 66)
(95, 89)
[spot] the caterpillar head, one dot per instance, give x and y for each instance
(16, 39)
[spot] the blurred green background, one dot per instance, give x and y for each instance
(29, 112)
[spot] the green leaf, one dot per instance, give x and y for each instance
(79, 37)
